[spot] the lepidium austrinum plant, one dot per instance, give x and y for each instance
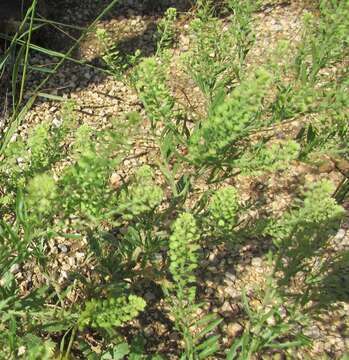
(183, 246)
(156, 224)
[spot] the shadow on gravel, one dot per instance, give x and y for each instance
(81, 13)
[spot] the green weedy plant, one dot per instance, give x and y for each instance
(223, 208)
(331, 32)
(80, 190)
(183, 246)
(209, 61)
(110, 313)
(44, 147)
(217, 54)
(318, 207)
(149, 79)
(302, 235)
(242, 28)
(216, 139)
(75, 195)
(315, 91)
(142, 196)
(22, 319)
(83, 186)
(265, 157)
(116, 63)
(181, 294)
(41, 192)
(269, 328)
(166, 31)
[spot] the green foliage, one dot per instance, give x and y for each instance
(109, 313)
(143, 195)
(39, 146)
(42, 150)
(41, 192)
(231, 121)
(183, 247)
(111, 55)
(331, 32)
(319, 208)
(56, 182)
(223, 207)
(15, 240)
(166, 30)
(35, 348)
(150, 81)
(268, 327)
(209, 62)
(84, 187)
(302, 236)
(217, 53)
(242, 27)
(183, 262)
(274, 157)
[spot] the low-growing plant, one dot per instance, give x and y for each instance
(302, 237)
(166, 30)
(218, 137)
(183, 246)
(217, 53)
(58, 180)
(150, 81)
(109, 313)
(273, 326)
(331, 32)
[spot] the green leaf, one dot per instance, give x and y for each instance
(208, 328)
(120, 351)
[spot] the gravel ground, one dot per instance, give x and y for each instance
(223, 272)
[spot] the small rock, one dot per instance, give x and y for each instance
(20, 160)
(79, 255)
(312, 332)
(63, 248)
(318, 347)
(149, 332)
(56, 122)
(276, 27)
(257, 262)
(283, 312)
(226, 306)
(234, 330)
(332, 340)
(340, 235)
(229, 277)
(271, 321)
(15, 268)
(149, 296)
(21, 350)
(13, 138)
(158, 257)
(65, 267)
(174, 336)
(212, 269)
(115, 180)
(233, 293)
(64, 275)
(213, 259)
